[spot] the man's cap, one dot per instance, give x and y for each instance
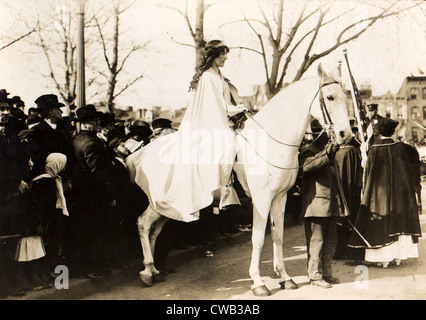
(316, 126)
(87, 113)
(161, 123)
(386, 126)
(140, 126)
(48, 102)
(372, 106)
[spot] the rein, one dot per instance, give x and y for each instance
(327, 121)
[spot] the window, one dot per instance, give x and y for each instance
(424, 112)
(414, 112)
(424, 93)
(413, 93)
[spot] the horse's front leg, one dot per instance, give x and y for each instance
(277, 233)
(257, 239)
(144, 224)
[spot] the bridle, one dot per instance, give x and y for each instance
(328, 124)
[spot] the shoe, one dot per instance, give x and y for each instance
(321, 283)
(208, 254)
(332, 280)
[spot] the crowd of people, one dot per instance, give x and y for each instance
(67, 198)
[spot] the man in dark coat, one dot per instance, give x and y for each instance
(47, 136)
(374, 118)
(93, 197)
(13, 170)
(321, 207)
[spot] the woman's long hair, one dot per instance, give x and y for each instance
(212, 50)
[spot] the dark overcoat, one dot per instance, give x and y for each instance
(92, 181)
(43, 140)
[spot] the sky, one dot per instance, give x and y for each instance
(382, 57)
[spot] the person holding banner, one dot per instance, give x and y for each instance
(387, 219)
(320, 206)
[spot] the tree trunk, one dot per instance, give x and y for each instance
(199, 32)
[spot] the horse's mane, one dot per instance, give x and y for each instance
(303, 90)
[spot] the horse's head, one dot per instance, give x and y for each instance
(334, 98)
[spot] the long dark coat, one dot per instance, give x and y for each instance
(92, 181)
(43, 140)
(13, 169)
(388, 207)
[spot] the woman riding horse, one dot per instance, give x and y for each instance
(181, 173)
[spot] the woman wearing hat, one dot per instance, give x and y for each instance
(200, 155)
(387, 219)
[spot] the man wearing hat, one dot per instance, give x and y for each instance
(139, 136)
(94, 196)
(161, 127)
(48, 136)
(373, 117)
(3, 95)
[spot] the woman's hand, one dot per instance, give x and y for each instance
(242, 107)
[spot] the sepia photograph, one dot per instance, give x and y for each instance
(212, 156)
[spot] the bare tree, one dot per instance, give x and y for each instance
(116, 57)
(284, 44)
(58, 43)
(195, 29)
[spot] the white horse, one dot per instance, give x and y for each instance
(267, 159)
(267, 166)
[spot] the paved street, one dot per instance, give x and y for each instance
(225, 276)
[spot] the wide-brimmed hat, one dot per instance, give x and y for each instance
(18, 101)
(140, 126)
(48, 102)
(87, 113)
(3, 92)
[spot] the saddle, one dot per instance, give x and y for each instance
(238, 121)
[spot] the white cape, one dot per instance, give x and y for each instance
(180, 172)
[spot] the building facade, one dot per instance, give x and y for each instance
(412, 97)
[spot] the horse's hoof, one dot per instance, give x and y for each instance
(158, 278)
(288, 285)
(145, 280)
(261, 291)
